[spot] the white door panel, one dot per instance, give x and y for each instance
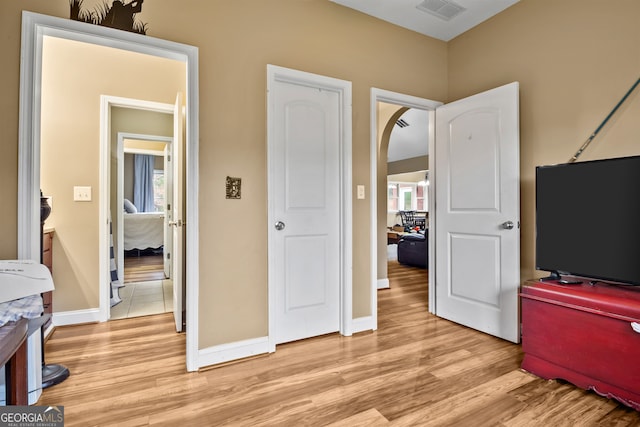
(306, 284)
(177, 213)
(305, 173)
(481, 253)
(472, 146)
(168, 192)
(477, 176)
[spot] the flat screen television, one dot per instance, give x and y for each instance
(588, 220)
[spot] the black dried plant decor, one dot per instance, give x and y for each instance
(119, 15)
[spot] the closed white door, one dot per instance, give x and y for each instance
(177, 221)
(304, 197)
(477, 212)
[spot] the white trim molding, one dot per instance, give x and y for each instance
(233, 351)
(362, 324)
(76, 317)
(383, 283)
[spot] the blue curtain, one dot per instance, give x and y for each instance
(143, 182)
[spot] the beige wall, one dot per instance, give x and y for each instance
(574, 59)
(236, 40)
(70, 145)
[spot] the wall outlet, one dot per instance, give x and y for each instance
(360, 191)
(81, 194)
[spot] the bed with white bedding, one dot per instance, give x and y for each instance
(143, 230)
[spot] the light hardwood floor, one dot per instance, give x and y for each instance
(416, 370)
(143, 268)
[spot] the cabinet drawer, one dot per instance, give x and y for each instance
(602, 346)
(46, 242)
(47, 259)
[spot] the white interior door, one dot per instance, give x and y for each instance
(477, 212)
(168, 199)
(177, 221)
(305, 209)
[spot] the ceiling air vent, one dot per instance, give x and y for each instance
(401, 123)
(443, 9)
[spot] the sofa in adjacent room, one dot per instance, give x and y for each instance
(413, 249)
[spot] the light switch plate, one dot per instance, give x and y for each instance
(81, 194)
(360, 191)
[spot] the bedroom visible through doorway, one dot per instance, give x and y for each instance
(144, 190)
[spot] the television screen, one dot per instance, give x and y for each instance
(588, 219)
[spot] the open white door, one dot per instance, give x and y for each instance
(168, 191)
(177, 222)
(477, 165)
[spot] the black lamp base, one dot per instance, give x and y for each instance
(53, 374)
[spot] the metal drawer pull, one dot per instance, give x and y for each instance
(635, 326)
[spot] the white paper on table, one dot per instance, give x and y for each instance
(21, 278)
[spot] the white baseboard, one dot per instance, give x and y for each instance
(383, 284)
(76, 317)
(362, 324)
(232, 351)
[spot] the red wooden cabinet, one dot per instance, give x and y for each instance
(586, 334)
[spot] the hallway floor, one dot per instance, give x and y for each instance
(144, 299)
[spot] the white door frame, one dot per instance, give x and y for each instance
(120, 179)
(343, 88)
(34, 28)
(381, 95)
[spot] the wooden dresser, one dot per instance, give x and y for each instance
(586, 334)
(47, 259)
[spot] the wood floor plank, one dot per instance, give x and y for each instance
(416, 369)
(368, 418)
(143, 268)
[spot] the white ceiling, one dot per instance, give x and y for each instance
(406, 13)
(410, 141)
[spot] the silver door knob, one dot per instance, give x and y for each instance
(508, 225)
(279, 225)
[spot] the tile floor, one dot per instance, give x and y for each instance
(144, 299)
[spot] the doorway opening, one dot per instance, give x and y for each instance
(387, 109)
(89, 302)
(144, 284)
(405, 142)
